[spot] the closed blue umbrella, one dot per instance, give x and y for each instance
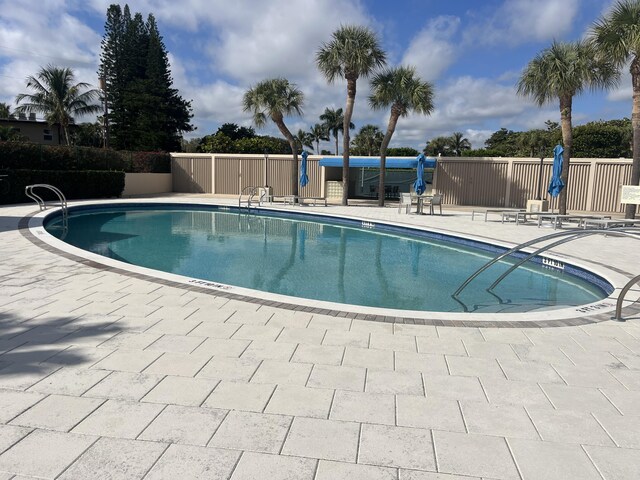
(304, 179)
(556, 185)
(419, 185)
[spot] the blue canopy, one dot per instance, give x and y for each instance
(374, 162)
(556, 185)
(419, 185)
(303, 169)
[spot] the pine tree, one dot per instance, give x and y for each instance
(146, 112)
(112, 71)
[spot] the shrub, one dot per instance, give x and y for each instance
(20, 155)
(74, 184)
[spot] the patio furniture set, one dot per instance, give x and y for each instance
(407, 201)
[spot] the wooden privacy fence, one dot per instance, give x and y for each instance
(594, 184)
(228, 174)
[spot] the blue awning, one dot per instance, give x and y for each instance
(374, 162)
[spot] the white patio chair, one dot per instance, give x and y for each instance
(405, 202)
(436, 200)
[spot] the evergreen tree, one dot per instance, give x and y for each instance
(112, 72)
(145, 111)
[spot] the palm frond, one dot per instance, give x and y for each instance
(617, 34)
(401, 88)
(273, 98)
(565, 70)
(354, 51)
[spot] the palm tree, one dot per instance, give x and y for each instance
(437, 146)
(458, 143)
(368, 140)
(405, 92)
(333, 122)
(616, 37)
(304, 139)
(352, 53)
(58, 98)
(318, 133)
(274, 99)
(560, 72)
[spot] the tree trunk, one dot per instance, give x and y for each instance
(391, 127)
(317, 147)
(292, 143)
(336, 137)
(567, 140)
(630, 209)
(348, 112)
(65, 129)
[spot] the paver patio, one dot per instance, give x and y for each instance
(108, 375)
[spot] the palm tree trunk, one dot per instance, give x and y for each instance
(65, 129)
(391, 127)
(335, 135)
(567, 140)
(294, 151)
(317, 147)
(348, 113)
(630, 209)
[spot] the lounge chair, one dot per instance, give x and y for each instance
(497, 211)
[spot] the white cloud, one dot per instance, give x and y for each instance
(431, 50)
(624, 91)
(35, 34)
(248, 39)
(517, 21)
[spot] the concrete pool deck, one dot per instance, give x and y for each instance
(107, 375)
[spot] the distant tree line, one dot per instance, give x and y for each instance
(597, 139)
(231, 138)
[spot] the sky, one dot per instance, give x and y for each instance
(472, 52)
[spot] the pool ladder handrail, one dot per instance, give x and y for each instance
(623, 292)
(633, 232)
(28, 191)
(252, 191)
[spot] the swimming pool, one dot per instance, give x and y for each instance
(328, 259)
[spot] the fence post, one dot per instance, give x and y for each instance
(507, 195)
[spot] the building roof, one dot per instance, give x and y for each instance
(374, 162)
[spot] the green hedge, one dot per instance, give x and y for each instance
(74, 184)
(21, 155)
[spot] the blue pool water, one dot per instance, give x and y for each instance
(325, 259)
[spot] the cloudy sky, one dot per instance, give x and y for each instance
(472, 51)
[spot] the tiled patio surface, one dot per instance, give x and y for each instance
(103, 375)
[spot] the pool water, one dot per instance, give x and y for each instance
(319, 259)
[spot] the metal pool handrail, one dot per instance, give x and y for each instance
(623, 292)
(252, 193)
(28, 191)
(631, 232)
(547, 247)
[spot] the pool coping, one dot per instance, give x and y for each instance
(31, 228)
